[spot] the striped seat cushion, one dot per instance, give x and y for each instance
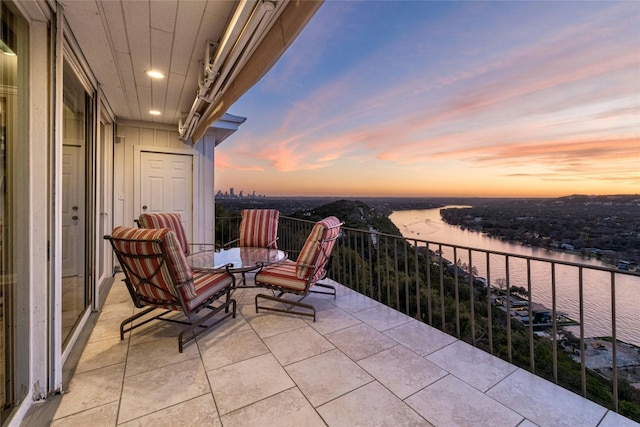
(313, 254)
(282, 275)
(259, 228)
(172, 221)
(207, 285)
(164, 291)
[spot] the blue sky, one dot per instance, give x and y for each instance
(425, 98)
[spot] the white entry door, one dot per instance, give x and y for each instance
(166, 183)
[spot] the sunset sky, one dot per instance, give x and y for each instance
(444, 98)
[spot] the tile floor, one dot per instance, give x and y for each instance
(361, 363)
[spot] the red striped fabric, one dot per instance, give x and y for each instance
(172, 221)
(259, 228)
(164, 291)
(281, 275)
(208, 284)
(317, 248)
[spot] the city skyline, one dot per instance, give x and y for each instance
(529, 99)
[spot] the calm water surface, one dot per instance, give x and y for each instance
(427, 224)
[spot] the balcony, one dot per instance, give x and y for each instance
(361, 363)
(366, 361)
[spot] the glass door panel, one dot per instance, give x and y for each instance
(75, 161)
(12, 46)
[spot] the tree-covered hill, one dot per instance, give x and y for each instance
(604, 226)
(354, 214)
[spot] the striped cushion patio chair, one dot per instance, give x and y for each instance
(158, 277)
(300, 277)
(172, 221)
(259, 228)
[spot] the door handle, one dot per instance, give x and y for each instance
(144, 208)
(75, 217)
(75, 208)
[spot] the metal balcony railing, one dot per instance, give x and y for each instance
(493, 300)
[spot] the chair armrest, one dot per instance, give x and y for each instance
(228, 244)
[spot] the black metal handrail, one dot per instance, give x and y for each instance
(415, 277)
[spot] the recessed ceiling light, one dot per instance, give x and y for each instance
(154, 112)
(155, 74)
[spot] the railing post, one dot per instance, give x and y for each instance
(614, 343)
(583, 364)
(456, 290)
(554, 325)
(532, 354)
(417, 278)
(489, 305)
(442, 308)
(429, 303)
(406, 277)
(508, 299)
(472, 300)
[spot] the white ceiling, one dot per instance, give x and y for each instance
(122, 39)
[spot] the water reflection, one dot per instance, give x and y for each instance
(427, 224)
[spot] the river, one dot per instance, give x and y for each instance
(427, 224)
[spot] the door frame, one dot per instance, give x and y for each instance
(104, 201)
(65, 50)
(195, 181)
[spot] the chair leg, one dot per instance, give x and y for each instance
(286, 302)
(137, 316)
(323, 285)
(200, 323)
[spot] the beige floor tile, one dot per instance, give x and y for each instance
(103, 353)
(451, 402)
(321, 302)
(227, 326)
(286, 409)
(420, 337)
(91, 389)
(333, 320)
(613, 419)
(119, 292)
(293, 346)
(117, 311)
(382, 317)
(197, 412)
(360, 341)
(232, 348)
(326, 376)
(102, 416)
(370, 405)
(552, 405)
(352, 302)
(402, 371)
(158, 353)
(246, 296)
(157, 329)
(247, 382)
(152, 391)
(267, 324)
(105, 329)
(464, 361)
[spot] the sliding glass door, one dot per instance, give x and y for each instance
(77, 199)
(12, 188)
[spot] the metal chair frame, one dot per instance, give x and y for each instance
(177, 303)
